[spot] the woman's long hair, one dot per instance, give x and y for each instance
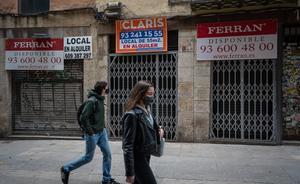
(137, 93)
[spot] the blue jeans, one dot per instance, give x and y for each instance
(101, 140)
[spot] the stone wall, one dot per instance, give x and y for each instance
(193, 76)
(54, 19)
(5, 94)
(193, 90)
(56, 25)
(9, 7)
(137, 9)
(96, 69)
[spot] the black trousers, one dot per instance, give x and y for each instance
(143, 172)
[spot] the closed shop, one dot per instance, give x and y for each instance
(243, 101)
(244, 105)
(159, 68)
(46, 102)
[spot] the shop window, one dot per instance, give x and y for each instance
(33, 7)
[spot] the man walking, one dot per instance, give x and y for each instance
(95, 133)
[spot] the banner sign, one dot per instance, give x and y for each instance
(34, 54)
(78, 47)
(141, 35)
(253, 39)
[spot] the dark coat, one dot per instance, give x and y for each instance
(92, 114)
(139, 137)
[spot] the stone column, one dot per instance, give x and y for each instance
(193, 90)
(201, 100)
(5, 93)
(97, 68)
(185, 127)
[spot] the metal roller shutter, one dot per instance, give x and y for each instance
(47, 101)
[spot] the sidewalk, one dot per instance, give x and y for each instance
(38, 162)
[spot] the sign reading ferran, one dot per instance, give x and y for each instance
(34, 54)
(239, 40)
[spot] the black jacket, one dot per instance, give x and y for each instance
(139, 137)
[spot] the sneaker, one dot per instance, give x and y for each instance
(64, 175)
(111, 181)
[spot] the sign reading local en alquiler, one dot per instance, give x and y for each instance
(251, 39)
(141, 35)
(78, 47)
(34, 54)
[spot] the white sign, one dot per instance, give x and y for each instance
(34, 54)
(255, 39)
(78, 47)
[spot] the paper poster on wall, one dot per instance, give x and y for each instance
(252, 39)
(141, 35)
(78, 47)
(291, 91)
(34, 54)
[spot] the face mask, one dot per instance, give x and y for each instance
(107, 91)
(148, 100)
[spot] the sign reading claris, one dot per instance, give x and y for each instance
(141, 35)
(252, 39)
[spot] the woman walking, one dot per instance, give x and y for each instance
(141, 134)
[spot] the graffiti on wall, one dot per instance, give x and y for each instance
(48, 106)
(291, 92)
(47, 101)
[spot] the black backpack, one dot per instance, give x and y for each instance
(80, 109)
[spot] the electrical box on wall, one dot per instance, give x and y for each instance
(111, 11)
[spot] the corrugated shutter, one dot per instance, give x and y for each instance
(47, 101)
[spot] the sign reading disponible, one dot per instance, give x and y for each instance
(141, 35)
(253, 39)
(78, 47)
(34, 54)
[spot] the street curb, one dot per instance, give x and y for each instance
(40, 137)
(45, 137)
(52, 137)
(292, 143)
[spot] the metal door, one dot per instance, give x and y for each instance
(47, 101)
(243, 100)
(161, 69)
